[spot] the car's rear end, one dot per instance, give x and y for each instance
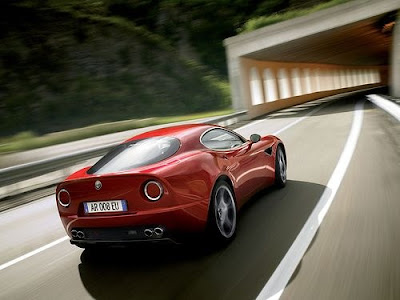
(126, 208)
(137, 192)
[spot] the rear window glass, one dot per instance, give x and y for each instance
(136, 154)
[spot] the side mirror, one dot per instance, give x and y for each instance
(255, 138)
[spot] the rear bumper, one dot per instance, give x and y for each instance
(84, 237)
(127, 228)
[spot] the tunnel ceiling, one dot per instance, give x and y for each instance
(361, 43)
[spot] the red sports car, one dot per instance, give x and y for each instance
(166, 183)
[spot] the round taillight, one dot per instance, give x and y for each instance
(153, 190)
(64, 198)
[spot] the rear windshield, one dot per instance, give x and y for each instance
(136, 154)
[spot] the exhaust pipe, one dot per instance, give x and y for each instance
(74, 233)
(148, 232)
(80, 234)
(158, 231)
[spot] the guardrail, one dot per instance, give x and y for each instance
(12, 175)
(29, 170)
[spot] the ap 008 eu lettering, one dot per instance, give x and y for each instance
(104, 206)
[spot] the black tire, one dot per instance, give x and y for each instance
(222, 216)
(280, 168)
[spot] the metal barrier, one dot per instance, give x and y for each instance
(29, 170)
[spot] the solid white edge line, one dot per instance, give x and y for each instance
(34, 252)
(386, 105)
(281, 276)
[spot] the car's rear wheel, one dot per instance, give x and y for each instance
(280, 168)
(222, 214)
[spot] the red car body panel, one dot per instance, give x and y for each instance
(187, 178)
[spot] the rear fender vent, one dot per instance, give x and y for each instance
(268, 151)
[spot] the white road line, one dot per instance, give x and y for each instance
(284, 113)
(304, 106)
(318, 108)
(251, 124)
(32, 253)
(386, 105)
(281, 276)
(52, 244)
(302, 118)
(295, 108)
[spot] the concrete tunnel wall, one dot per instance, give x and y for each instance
(269, 86)
(395, 60)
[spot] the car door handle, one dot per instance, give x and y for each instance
(225, 157)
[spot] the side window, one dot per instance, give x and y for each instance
(219, 139)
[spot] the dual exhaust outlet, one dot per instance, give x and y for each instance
(77, 234)
(154, 233)
(157, 232)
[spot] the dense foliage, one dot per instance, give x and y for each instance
(66, 64)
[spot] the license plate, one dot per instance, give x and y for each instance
(105, 206)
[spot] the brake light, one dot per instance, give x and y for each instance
(153, 190)
(64, 198)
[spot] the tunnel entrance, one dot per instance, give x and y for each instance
(348, 47)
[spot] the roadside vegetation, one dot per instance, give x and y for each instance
(29, 140)
(71, 64)
(262, 21)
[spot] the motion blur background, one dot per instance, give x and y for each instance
(71, 70)
(69, 64)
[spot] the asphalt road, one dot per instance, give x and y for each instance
(354, 254)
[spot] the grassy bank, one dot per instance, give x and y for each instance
(259, 22)
(28, 140)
